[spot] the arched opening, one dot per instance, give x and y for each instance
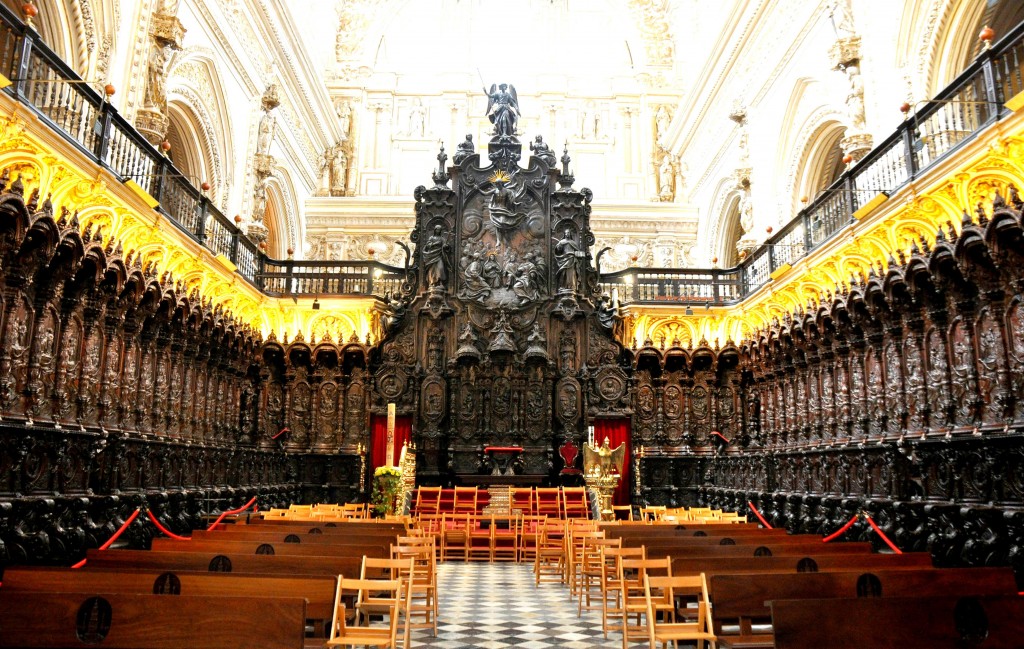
(821, 163)
(958, 43)
(728, 255)
(275, 218)
(186, 149)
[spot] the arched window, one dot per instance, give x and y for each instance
(958, 43)
(821, 162)
(728, 254)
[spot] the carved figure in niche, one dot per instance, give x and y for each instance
(746, 210)
(662, 119)
(568, 402)
(328, 406)
(855, 97)
(19, 328)
(463, 150)
(606, 312)
(344, 112)
(569, 256)
(567, 351)
(259, 207)
(324, 166)
(673, 402)
(46, 345)
(266, 133)
(665, 175)
(543, 151)
(589, 123)
(339, 165)
(416, 118)
(503, 108)
(156, 95)
(434, 259)
(645, 401)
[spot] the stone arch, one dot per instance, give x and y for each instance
(200, 127)
(820, 162)
(723, 231)
(80, 32)
(283, 215)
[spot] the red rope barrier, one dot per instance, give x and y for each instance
(842, 530)
(281, 432)
(229, 512)
(111, 540)
(758, 514)
(882, 534)
(163, 529)
(720, 435)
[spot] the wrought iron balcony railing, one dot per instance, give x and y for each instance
(50, 88)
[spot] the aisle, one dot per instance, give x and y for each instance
(492, 605)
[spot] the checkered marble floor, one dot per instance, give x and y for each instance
(492, 605)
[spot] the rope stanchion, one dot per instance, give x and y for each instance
(163, 529)
(113, 538)
(885, 538)
(281, 432)
(230, 512)
(759, 516)
(842, 530)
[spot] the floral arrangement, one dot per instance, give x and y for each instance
(387, 484)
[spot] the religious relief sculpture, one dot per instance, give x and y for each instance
(434, 259)
(166, 34)
(417, 118)
(570, 257)
(666, 177)
(503, 109)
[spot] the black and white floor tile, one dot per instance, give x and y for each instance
(496, 605)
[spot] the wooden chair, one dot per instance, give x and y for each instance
(465, 500)
(574, 502)
(549, 561)
(522, 498)
(548, 502)
(479, 538)
(611, 584)
(377, 602)
(423, 586)
(574, 557)
(455, 536)
(634, 600)
(428, 500)
(529, 536)
(660, 592)
(344, 635)
(505, 537)
(622, 512)
(591, 571)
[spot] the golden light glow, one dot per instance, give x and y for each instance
(869, 207)
(4, 82)
(500, 176)
(1014, 104)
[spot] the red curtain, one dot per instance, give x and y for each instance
(617, 431)
(379, 439)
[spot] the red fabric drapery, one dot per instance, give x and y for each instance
(617, 431)
(379, 439)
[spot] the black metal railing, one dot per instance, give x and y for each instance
(972, 102)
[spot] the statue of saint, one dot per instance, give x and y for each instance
(344, 112)
(543, 151)
(503, 108)
(416, 118)
(569, 256)
(463, 149)
(266, 133)
(339, 163)
(433, 258)
(156, 95)
(662, 120)
(665, 178)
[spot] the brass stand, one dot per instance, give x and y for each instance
(605, 486)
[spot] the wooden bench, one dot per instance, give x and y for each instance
(318, 591)
(286, 536)
(992, 622)
(740, 600)
(221, 562)
(660, 549)
(809, 563)
(133, 621)
(378, 551)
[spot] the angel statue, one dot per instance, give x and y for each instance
(503, 108)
